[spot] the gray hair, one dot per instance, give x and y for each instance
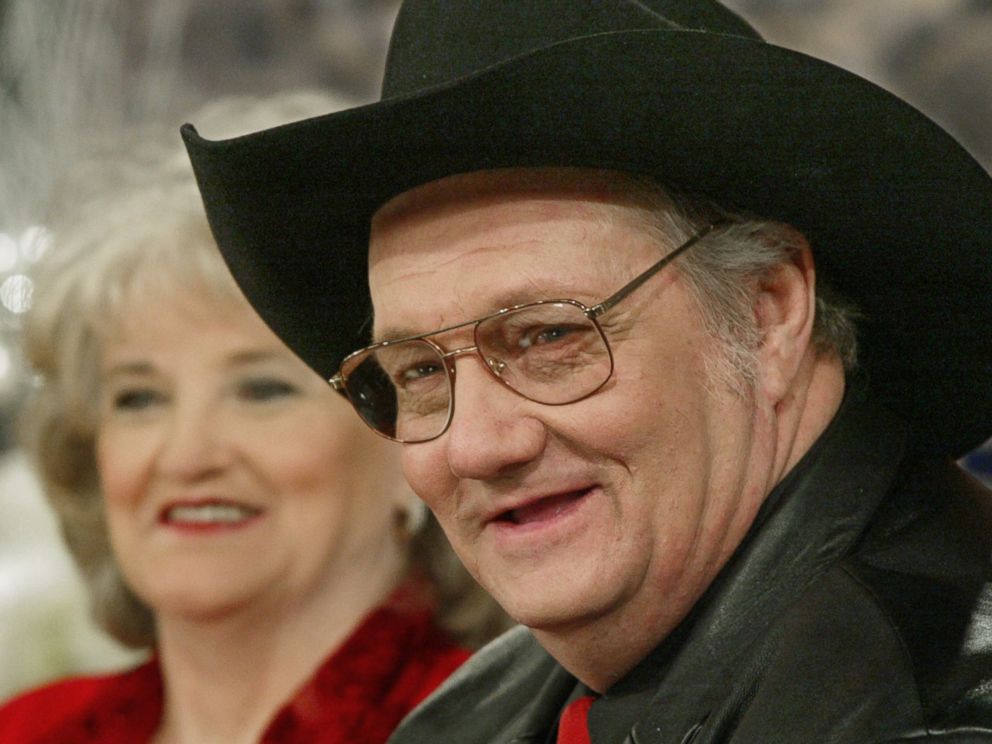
(115, 247)
(722, 274)
(128, 229)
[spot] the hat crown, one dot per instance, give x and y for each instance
(438, 41)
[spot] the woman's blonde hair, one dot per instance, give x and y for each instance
(127, 229)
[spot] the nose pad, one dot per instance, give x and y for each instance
(496, 366)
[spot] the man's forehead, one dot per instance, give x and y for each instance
(456, 215)
(505, 239)
(452, 194)
(472, 218)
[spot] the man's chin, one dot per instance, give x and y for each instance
(552, 610)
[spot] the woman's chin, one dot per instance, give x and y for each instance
(201, 599)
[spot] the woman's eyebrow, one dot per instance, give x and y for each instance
(250, 356)
(128, 368)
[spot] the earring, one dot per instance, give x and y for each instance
(410, 519)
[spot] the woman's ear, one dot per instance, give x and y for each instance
(784, 311)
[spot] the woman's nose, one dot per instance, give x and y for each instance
(195, 442)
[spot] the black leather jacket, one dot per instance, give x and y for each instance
(857, 610)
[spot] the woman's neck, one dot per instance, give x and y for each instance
(225, 678)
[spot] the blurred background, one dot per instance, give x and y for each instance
(82, 74)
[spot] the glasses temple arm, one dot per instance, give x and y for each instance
(638, 280)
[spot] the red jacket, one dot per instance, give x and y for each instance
(392, 661)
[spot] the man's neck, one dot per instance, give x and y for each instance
(807, 411)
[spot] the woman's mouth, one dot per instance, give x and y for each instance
(211, 514)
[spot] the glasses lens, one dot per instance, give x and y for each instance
(401, 390)
(550, 352)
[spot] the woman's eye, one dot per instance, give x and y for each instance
(135, 400)
(265, 389)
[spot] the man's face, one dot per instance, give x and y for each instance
(623, 505)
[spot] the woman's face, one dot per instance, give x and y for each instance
(233, 476)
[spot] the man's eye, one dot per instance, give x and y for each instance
(419, 372)
(550, 334)
(136, 399)
(265, 389)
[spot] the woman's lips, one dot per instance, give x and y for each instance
(211, 514)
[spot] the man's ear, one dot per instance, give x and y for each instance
(784, 310)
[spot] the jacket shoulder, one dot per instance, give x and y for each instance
(927, 568)
(498, 692)
(899, 633)
(33, 715)
(46, 713)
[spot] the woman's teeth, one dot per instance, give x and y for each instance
(210, 514)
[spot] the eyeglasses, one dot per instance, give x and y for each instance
(552, 352)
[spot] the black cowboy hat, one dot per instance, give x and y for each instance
(899, 215)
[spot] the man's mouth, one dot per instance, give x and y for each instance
(542, 509)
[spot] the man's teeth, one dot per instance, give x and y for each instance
(210, 514)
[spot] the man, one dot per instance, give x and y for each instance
(678, 330)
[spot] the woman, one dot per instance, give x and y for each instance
(225, 505)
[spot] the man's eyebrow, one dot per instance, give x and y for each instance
(511, 298)
(394, 333)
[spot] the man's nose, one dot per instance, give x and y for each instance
(492, 430)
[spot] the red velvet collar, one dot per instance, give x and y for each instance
(358, 695)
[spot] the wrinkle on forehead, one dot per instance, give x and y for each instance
(406, 265)
(417, 268)
(428, 216)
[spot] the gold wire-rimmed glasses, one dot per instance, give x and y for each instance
(552, 352)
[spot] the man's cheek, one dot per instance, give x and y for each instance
(427, 477)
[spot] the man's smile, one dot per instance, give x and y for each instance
(541, 509)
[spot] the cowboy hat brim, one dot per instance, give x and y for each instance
(898, 214)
